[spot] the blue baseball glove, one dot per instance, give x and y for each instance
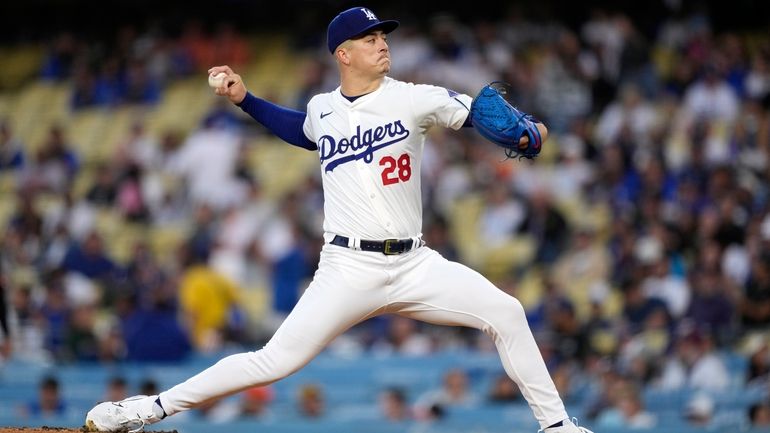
(501, 123)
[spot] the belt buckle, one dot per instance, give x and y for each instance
(387, 250)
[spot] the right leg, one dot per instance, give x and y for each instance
(343, 293)
(435, 290)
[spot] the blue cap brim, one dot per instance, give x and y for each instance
(386, 26)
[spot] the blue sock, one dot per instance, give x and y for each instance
(162, 413)
(558, 424)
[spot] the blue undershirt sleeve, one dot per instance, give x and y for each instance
(285, 123)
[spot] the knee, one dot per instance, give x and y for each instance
(509, 312)
(281, 361)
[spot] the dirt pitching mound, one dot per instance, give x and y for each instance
(54, 430)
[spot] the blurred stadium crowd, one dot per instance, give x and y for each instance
(639, 242)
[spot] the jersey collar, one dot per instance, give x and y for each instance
(363, 99)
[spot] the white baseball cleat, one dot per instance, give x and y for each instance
(567, 427)
(130, 415)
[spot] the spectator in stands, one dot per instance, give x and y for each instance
(627, 410)
(117, 389)
(584, 262)
(140, 88)
(562, 76)
(759, 414)
(311, 402)
(170, 341)
(455, 391)
(452, 61)
(90, 259)
(11, 148)
(25, 227)
(572, 174)
(62, 51)
(711, 308)
(695, 365)
(546, 224)
(552, 299)
(55, 164)
(255, 402)
(148, 386)
(208, 301)
(104, 188)
(146, 275)
(394, 406)
(758, 352)
(49, 402)
(710, 98)
(569, 337)
(222, 116)
(437, 235)
(138, 147)
(637, 308)
(251, 404)
(755, 303)
(640, 353)
(83, 91)
(607, 380)
(503, 390)
(660, 281)
(501, 217)
(109, 86)
(631, 115)
(202, 240)
(313, 74)
(236, 235)
(206, 163)
(282, 248)
(130, 199)
(403, 337)
(566, 377)
(55, 312)
(82, 343)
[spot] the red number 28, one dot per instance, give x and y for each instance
(395, 171)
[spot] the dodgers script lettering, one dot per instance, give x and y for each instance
(360, 145)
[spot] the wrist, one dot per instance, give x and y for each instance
(244, 99)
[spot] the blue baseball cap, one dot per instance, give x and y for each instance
(354, 22)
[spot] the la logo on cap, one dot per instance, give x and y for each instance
(369, 14)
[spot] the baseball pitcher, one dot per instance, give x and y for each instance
(369, 135)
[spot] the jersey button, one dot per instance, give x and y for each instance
(371, 195)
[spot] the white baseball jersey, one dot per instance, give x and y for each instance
(371, 150)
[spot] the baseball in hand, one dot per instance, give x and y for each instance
(217, 80)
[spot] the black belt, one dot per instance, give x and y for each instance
(389, 247)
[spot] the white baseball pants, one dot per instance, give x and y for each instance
(351, 286)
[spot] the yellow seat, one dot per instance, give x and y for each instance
(20, 64)
(463, 223)
(123, 240)
(166, 240)
(501, 261)
(280, 167)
